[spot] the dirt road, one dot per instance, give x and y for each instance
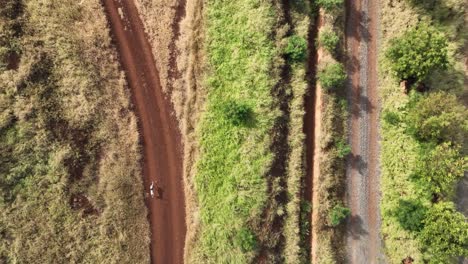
(162, 163)
(363, 195)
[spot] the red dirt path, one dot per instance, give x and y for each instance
(162, 154)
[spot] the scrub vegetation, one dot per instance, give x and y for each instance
(331, 78)
(70, 186)
(424, 131)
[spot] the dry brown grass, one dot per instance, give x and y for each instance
(68, 129)
(329, 183)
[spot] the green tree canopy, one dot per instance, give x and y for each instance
(328, 39)
(438, 117)
(296, 48)
(333, 76)
(441, 168)
(330, 5)
(411, 214)
(445, 233)
(419, 51)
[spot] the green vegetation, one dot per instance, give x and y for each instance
(250, 136)
(230, 182)
(343, 148)
(330, 5)
(70, 185)
(338, 214)
(333, 76)
(296, 48)
(333, 148)
(296, 249)
(440, 168)
(445, 234)
(423, 155)
(237, 114)
(438, 117)
(418, 52)
(329, 40)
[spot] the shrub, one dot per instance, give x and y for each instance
(245, 239)
(418, 52)
(343, 148)
(330, 5)
(328, 39)
(296, 49)
(438, 117)
(237, 114)
(441, 167)
(411, 214)
(391, 118)
(445, 234)
(338, 214)
(333, 76)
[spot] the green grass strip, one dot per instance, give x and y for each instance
(234, 159)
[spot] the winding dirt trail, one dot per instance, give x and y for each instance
(363, 175)
(162, 163)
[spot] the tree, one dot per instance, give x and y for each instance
(338, 214)
(445, 233)
(438, 117)
(441, 168)
(411, 214)
(296, 48)
(237, 114)
(332, 76)
(328, 40)
(418, 52)
(330, 5)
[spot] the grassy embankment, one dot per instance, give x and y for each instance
(70, 186)
(408, 204)
(333, 148)
(251, 125)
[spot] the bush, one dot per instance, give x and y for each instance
(333, 76)
(330, 5)
(417, 53)
(343, 148)
(438, 117)
(411, 214)
(245, 239)
(328, 39)
(296, 49)
(445, 234)
(441, 168)
(237, 114)
(338, 214)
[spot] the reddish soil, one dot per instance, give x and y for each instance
(364, 243)
(312, 128)
(162, 162)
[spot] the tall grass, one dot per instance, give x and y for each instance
(234, 160)
(70, 186)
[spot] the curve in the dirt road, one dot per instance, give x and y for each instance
(363, 195)
(162, 163)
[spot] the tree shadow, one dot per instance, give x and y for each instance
(355, 230)
(357, 163)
